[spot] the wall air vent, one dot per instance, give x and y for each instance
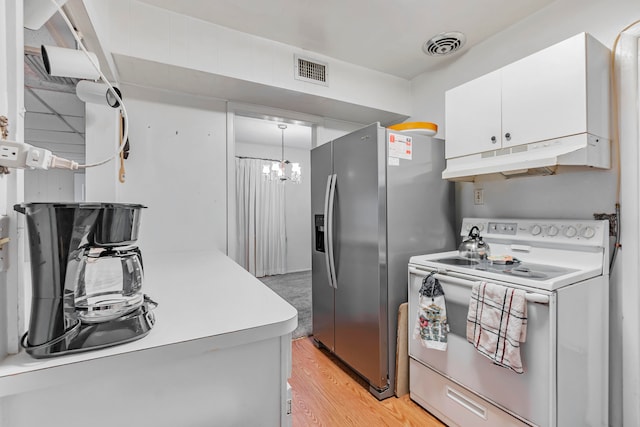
(311, 71)
(444, 43)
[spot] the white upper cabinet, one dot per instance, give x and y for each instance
(557, 92)
(473, 116)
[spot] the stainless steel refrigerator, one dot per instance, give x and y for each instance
(377, 198)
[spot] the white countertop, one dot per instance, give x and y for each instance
(206, 302)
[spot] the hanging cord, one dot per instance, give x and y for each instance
(111, 89)
(616, 141)
(121, 172)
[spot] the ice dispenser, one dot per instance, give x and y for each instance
(319, 227)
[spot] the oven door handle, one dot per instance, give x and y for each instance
(445, 275)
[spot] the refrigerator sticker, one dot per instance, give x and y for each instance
(400, 146)
(394, 161)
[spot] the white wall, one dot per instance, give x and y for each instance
(331, 129)
(177, 168)
(11, 186)
(5, 68)
(625, 292)
(297, 200)
(568, 195)
(56, 185)
(101, 142)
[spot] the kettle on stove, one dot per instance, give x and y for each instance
(473, 247)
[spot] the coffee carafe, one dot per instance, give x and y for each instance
(87, 277)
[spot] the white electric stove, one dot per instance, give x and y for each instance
(563, 267)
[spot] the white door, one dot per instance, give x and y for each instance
(544, 95)
(472, 113)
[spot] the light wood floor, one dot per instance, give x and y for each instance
(326, 393)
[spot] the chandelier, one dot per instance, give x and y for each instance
(277, 171)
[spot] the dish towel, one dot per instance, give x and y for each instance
(497, 323)
(431, 323)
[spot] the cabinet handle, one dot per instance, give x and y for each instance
(507, 136)
(494, 140)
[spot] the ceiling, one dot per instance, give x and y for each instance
(380, 35)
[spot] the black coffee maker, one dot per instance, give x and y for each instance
(87, 277)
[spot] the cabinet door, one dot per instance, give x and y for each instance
(472, 116)
(544, 95)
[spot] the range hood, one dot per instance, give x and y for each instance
(538, 158)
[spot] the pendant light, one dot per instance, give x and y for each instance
(278, 170)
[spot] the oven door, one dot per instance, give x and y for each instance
(530, 395)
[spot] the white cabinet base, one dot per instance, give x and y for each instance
(237, 386)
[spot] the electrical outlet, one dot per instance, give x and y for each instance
(9, 153)
(478, 196)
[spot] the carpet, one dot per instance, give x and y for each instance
(295, 288)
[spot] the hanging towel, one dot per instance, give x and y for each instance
(431, 323)
(497, 323)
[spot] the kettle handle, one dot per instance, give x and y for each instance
(474, 232)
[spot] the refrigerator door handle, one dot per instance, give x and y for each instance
(329, 231)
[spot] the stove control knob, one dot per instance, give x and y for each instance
(570, 231)
(553, 231)
(588, 232)
(535, 230)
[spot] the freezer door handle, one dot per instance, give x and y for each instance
(328, 229)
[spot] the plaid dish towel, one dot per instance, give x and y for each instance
(497, 323)
(431, 323)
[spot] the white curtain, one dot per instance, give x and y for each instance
(260, 207)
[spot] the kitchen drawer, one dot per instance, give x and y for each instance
(452, 404)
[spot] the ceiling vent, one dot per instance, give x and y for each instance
(444, 43)
(311, 71)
